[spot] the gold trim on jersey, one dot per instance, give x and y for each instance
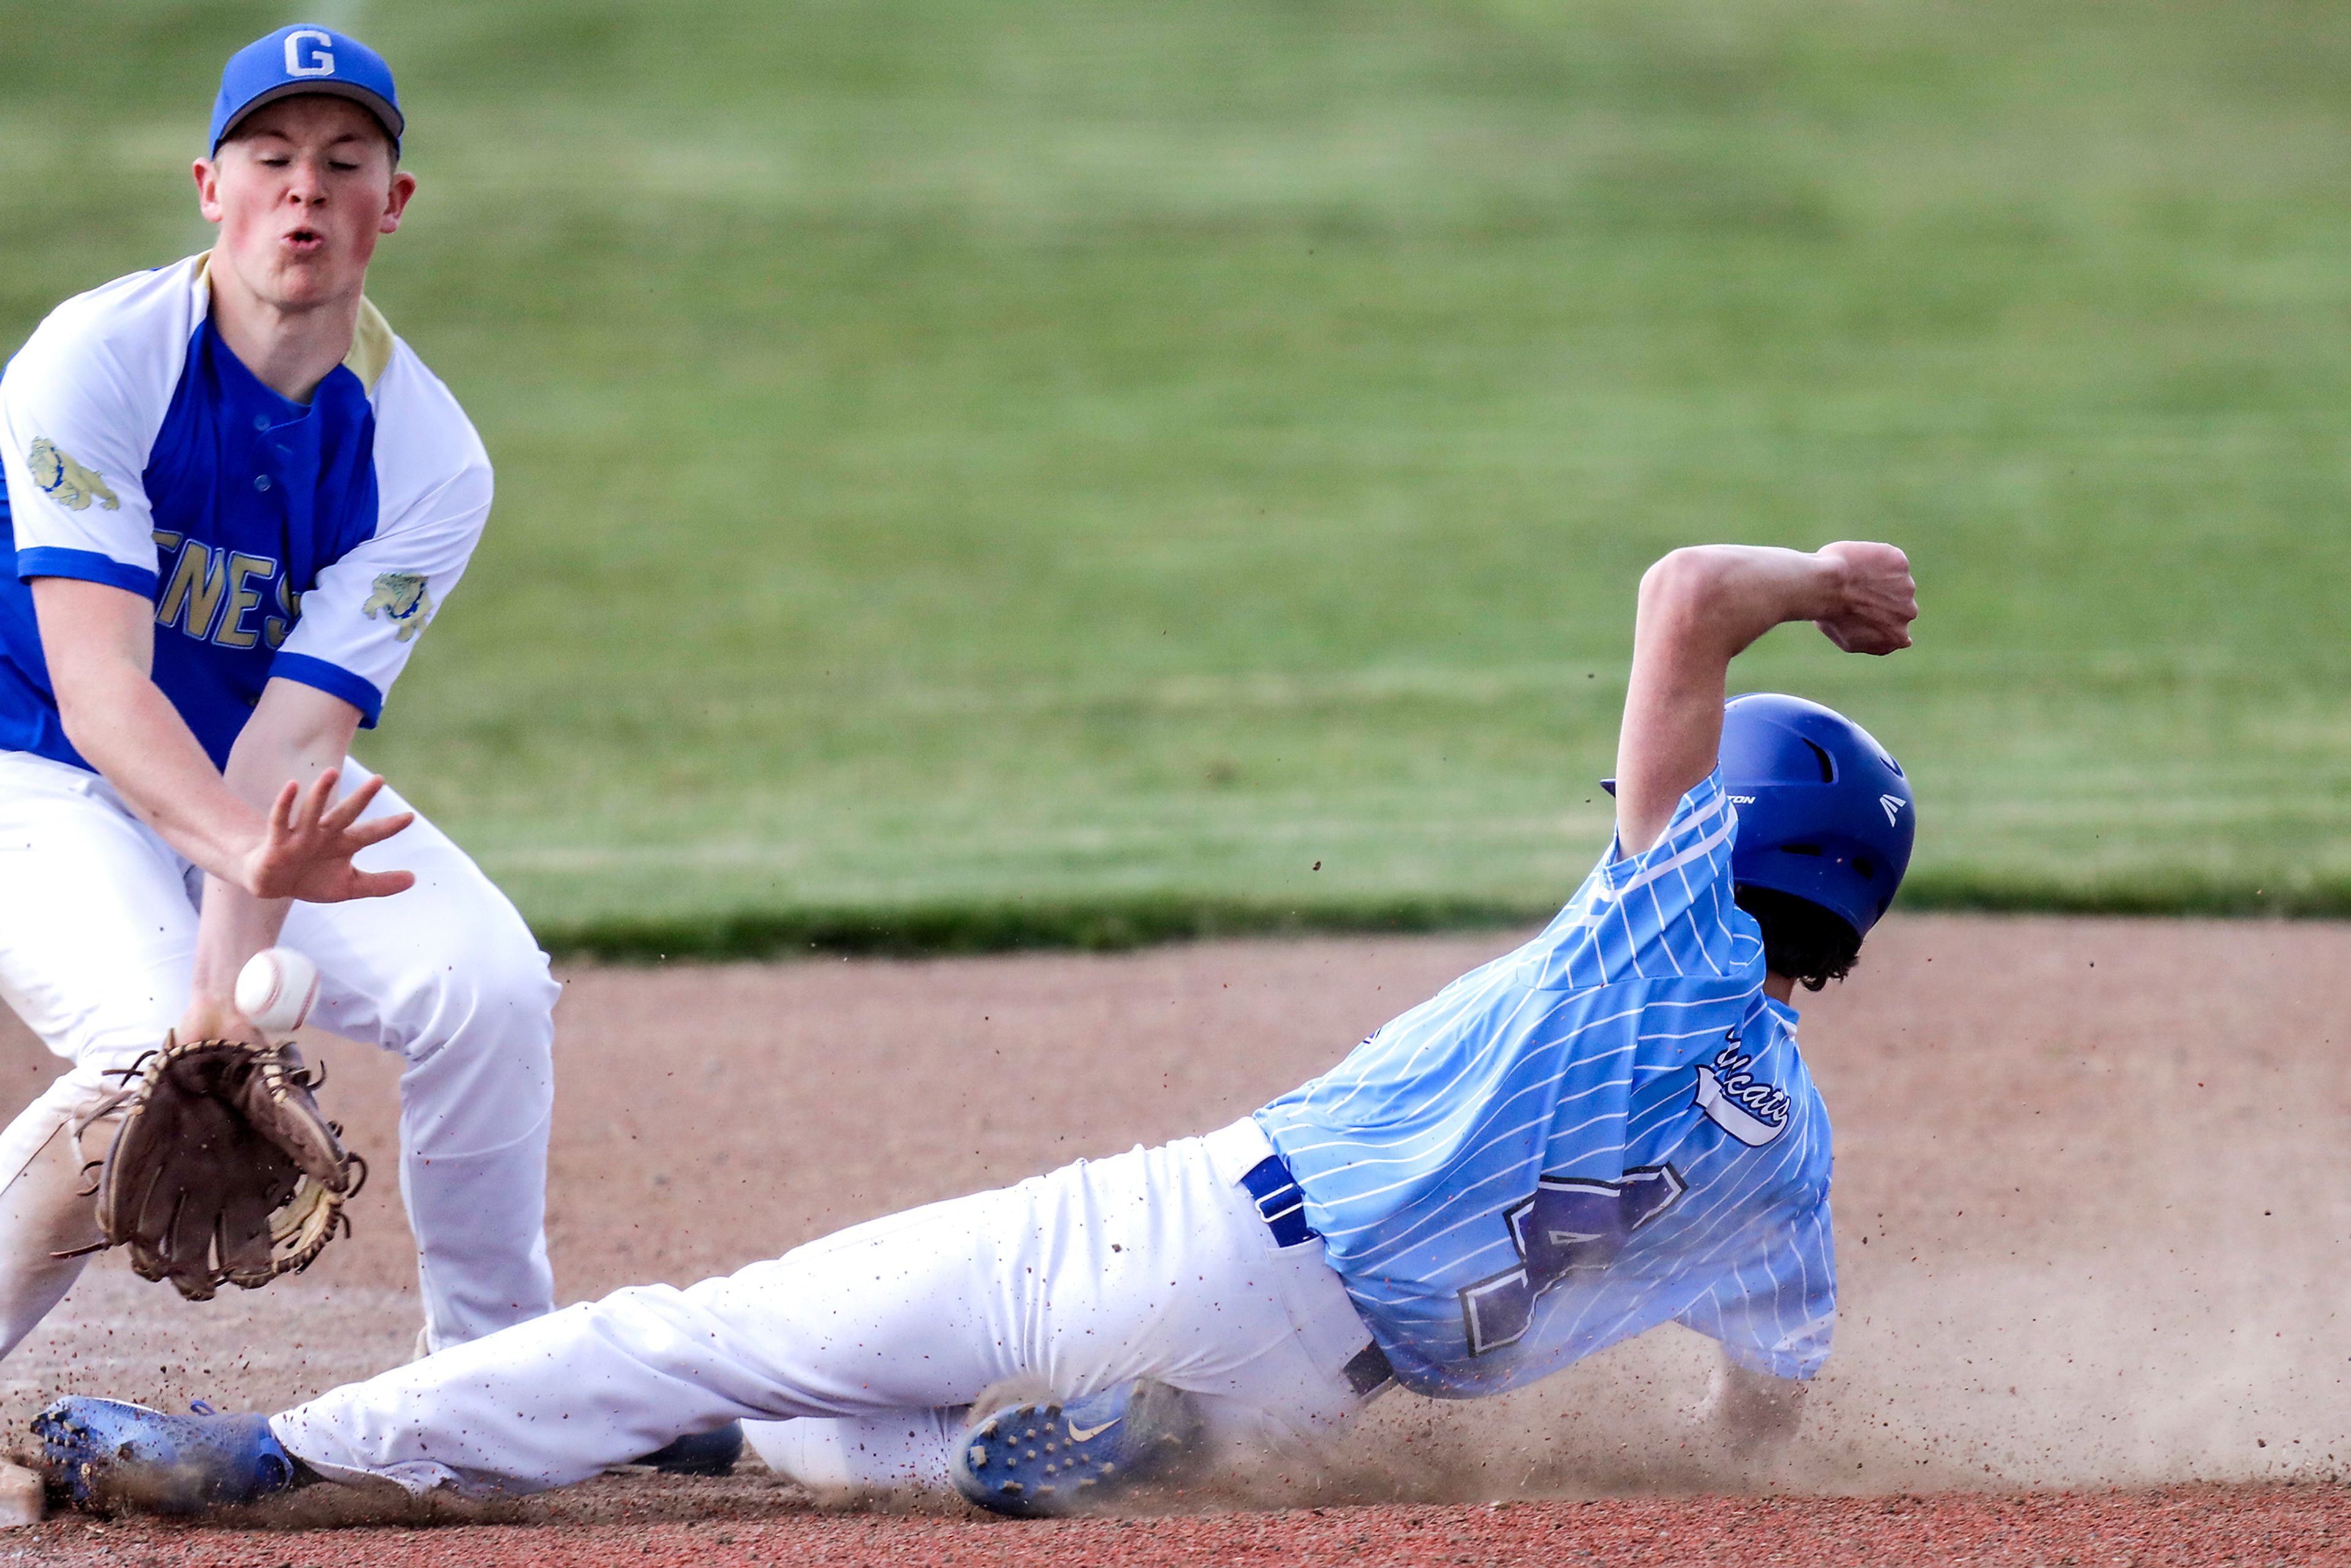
(370, 345)
(372, 338)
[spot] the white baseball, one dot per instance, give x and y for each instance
(277, 988)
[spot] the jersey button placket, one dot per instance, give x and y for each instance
(261, 481)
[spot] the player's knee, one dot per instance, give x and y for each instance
(481, 1068)
(482, 1010)
(511, 986)
(487, 988)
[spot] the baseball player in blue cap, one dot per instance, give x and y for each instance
(1608, 1129)
(235, 502)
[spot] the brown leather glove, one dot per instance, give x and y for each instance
(223, 1168)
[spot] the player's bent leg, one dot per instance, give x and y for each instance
(448, 975)
(900, 1450)
(1038, 1458)
(96, 935)
(98, 917)
(1256, 1394)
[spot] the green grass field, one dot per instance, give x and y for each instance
(1053, 469)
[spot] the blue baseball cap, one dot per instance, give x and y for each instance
(305, 58)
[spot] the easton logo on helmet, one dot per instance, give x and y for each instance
(1893, 804)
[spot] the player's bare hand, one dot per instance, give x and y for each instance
(1880, 599)
(307, 851)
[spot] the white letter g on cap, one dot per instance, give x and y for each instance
(317, 61)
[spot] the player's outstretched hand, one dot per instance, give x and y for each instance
(1880, 599)
(307, 851)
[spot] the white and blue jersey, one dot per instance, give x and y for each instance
(1608, 1129)
(303, 542)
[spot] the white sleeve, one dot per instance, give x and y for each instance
(357, 627)
(79, 414)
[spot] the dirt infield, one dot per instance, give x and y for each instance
(2091, 1204)
(2250, 1525)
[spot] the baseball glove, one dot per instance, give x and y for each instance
(223, 1168)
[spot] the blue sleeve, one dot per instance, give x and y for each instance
(331, 679)
(89, 566)
(1775, 1310)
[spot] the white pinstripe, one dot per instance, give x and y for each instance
(1572, 1058)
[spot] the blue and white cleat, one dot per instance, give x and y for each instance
(1040, 1458)
(107, 1455)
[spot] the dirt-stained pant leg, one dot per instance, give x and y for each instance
(902, 1450)
(1153, 1262)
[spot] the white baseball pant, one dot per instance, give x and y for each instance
(865, 1348)
(97, 929)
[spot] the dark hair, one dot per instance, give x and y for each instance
(1801, 939)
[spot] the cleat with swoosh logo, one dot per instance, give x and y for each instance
(1038, 1460)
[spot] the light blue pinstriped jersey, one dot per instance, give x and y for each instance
(1609, 1129)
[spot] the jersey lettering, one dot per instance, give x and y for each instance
(1737, 1100)
(1568, 1225)
(191, 594)
(211, 594)
(316, 61)
(241, 598)
(290, 610)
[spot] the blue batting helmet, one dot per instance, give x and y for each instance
(1824, 812)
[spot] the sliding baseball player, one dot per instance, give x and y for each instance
(1608, 1129)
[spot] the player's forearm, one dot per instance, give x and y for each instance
(1704, 605)
(295, 735)
(125, 727)
(233, 927)
(1700, 608)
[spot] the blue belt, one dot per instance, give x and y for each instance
(1281, 1203)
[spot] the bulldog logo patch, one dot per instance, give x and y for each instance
(402, 597)
(67, 482)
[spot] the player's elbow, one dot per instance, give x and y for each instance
(1692, 574)
(1682, 592)
(92, 695)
